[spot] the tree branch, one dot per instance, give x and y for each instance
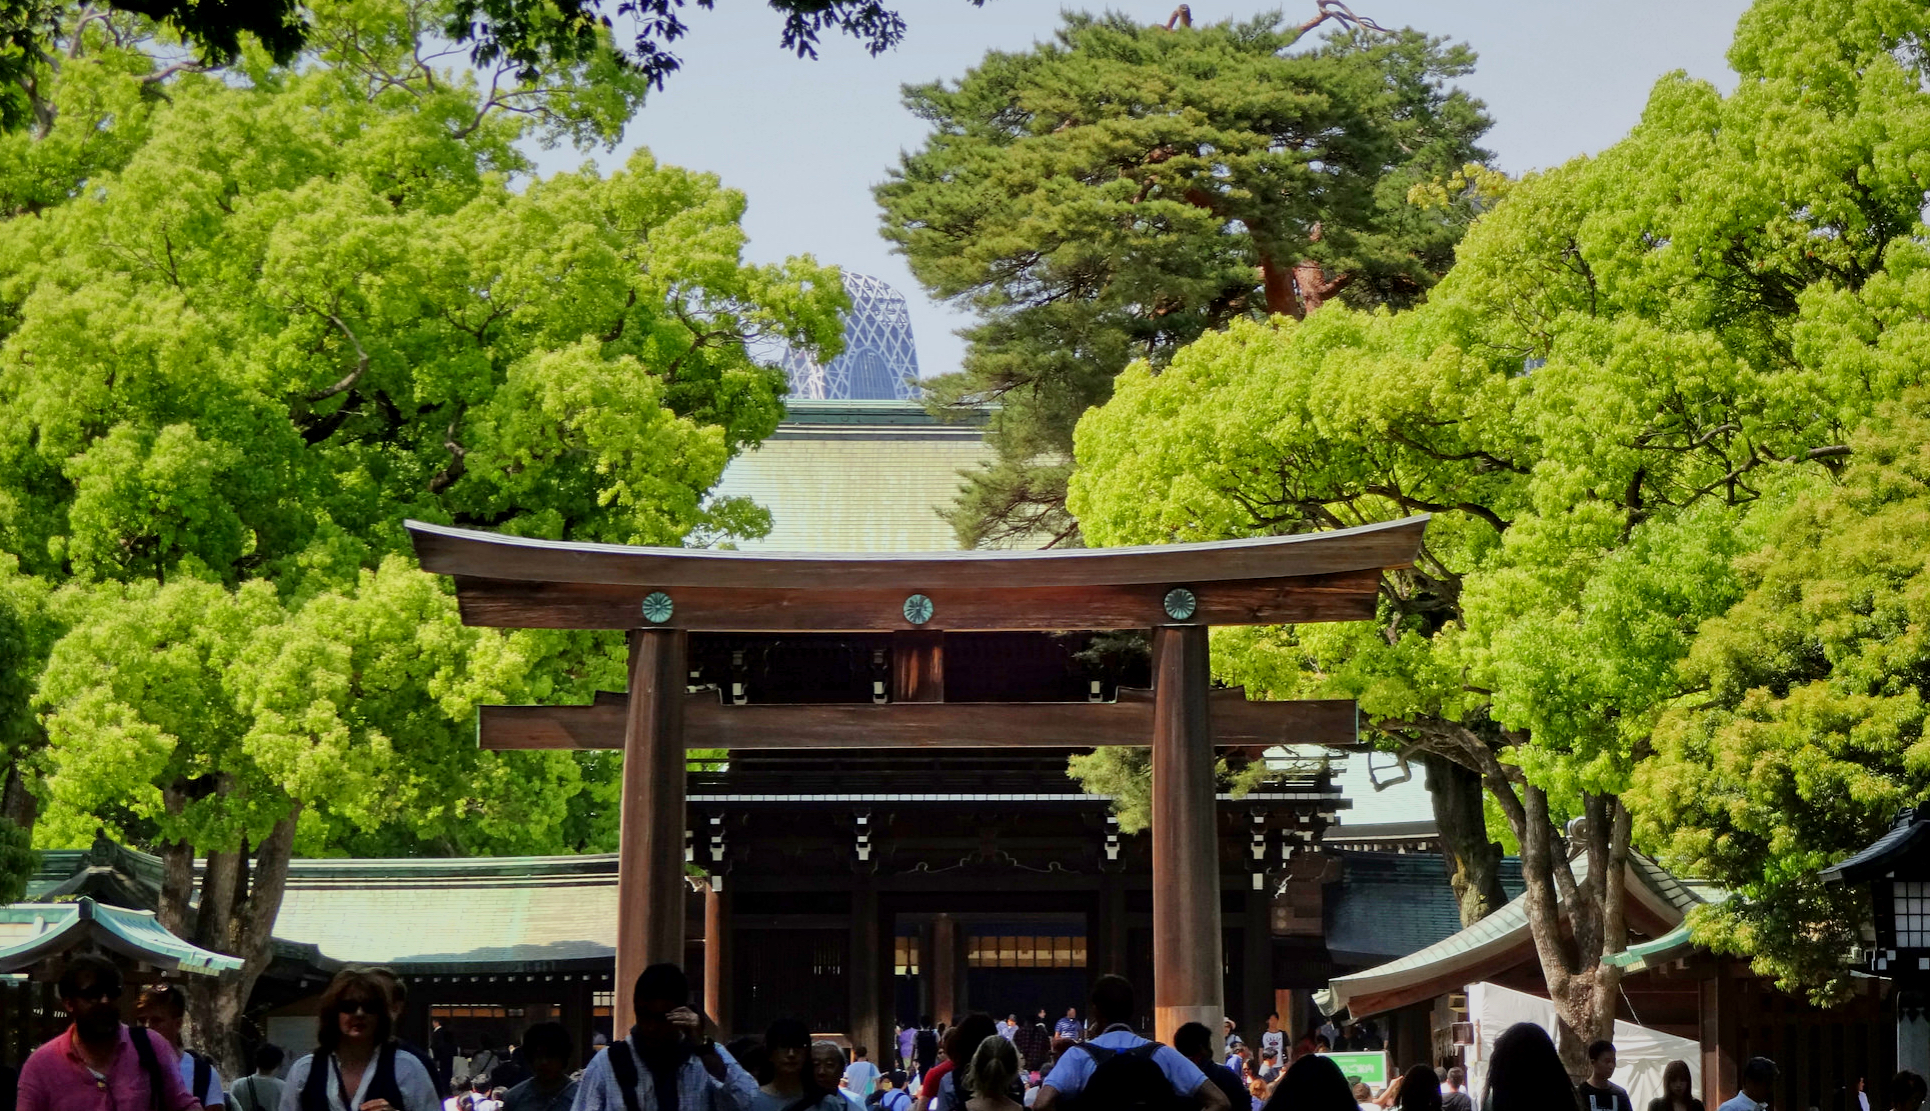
(361, 364)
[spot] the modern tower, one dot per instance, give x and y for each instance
(879, 362)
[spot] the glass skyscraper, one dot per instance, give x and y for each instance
(879, 363)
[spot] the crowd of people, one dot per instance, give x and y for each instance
(668, 1062)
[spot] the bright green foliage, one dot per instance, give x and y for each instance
(1639, 361)
(245, 331)
(1805, 733)
(1123, 190)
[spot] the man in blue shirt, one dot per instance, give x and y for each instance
(1111, 1010)
(1069, 1026)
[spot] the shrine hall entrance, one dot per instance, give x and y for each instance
(1001, 964)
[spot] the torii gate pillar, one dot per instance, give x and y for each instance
(1186, 868)
(650, 848)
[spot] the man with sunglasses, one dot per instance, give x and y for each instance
(99, 1063)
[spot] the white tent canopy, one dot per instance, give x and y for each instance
(1640, 1053)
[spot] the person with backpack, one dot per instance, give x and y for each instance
(356, 1065)
(924, 1046)
(1120, 1071)
(162, 1009)
(666, 1051)
(100, 1063)
(891, 1094)
(261, 1089)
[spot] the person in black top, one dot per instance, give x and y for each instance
(1194, 1043)
(1456, 1097)
(1676, 1086)
(1598, 1093)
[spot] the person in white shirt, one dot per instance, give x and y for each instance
(261, 1089)
(862, 1075)
(357, 1063)
(1758, 1080)
(161, 1008)
(1273, 1037)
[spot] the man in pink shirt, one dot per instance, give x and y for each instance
(95, 1064)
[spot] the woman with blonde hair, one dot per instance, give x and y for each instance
(989, 1076)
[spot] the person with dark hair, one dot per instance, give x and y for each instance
(942, 1087)
(1118, 1061)
(1456, 1097)
(1312, 1083)
(1906, 1091)
(1420, 1090)
(1598, 1092)
(261, 1089)
(891, 1094)
(666, 1063)
(793, 1084)
(924, 1052)
(100, 1063)
(356, 1065)
(162, 1008)
(861, 1074)
(1195, 1043)
(1677, 1090)
(1274, 1038)
(1034, 1042)
(1758, 1082)
(1526, 1074)
(546, 1047)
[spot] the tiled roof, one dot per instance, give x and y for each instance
(1387, 905)
(32, 932)
(857, 476)
(1905, 838)
(1495, 935)
(529, 912)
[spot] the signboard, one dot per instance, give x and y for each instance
(1370, 1068)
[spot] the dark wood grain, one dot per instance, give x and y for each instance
(498, 603)
(709, 724)
(486, 555)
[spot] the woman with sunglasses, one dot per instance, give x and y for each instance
(356, 1066)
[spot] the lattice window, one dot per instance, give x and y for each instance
(1912, 906)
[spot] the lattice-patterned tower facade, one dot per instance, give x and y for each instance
(879, 363)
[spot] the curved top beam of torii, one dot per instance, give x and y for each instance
(510, 581)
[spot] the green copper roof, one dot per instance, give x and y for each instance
(1662, 950)
(857, 476)
(32, 932)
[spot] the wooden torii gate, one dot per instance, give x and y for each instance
(661, 595)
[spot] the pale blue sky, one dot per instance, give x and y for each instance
(807, 140)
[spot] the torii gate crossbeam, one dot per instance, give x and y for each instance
(1178, 591)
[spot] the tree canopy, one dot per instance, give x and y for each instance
(246, 329)
(1122, 190)
(526, 39)
(1639, 361)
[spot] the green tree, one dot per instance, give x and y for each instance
(1638, 362)
(239, 345)
(526, 40)
(1804, 731)
(1120, 191)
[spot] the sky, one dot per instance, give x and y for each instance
(806, 140)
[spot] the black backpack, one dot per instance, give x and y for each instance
(1125, 1080)
(925, 1050)
(381, 1086)
(203, 1072)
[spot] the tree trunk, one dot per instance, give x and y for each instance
(1473, 860)
(18, 804)
(239, 906)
